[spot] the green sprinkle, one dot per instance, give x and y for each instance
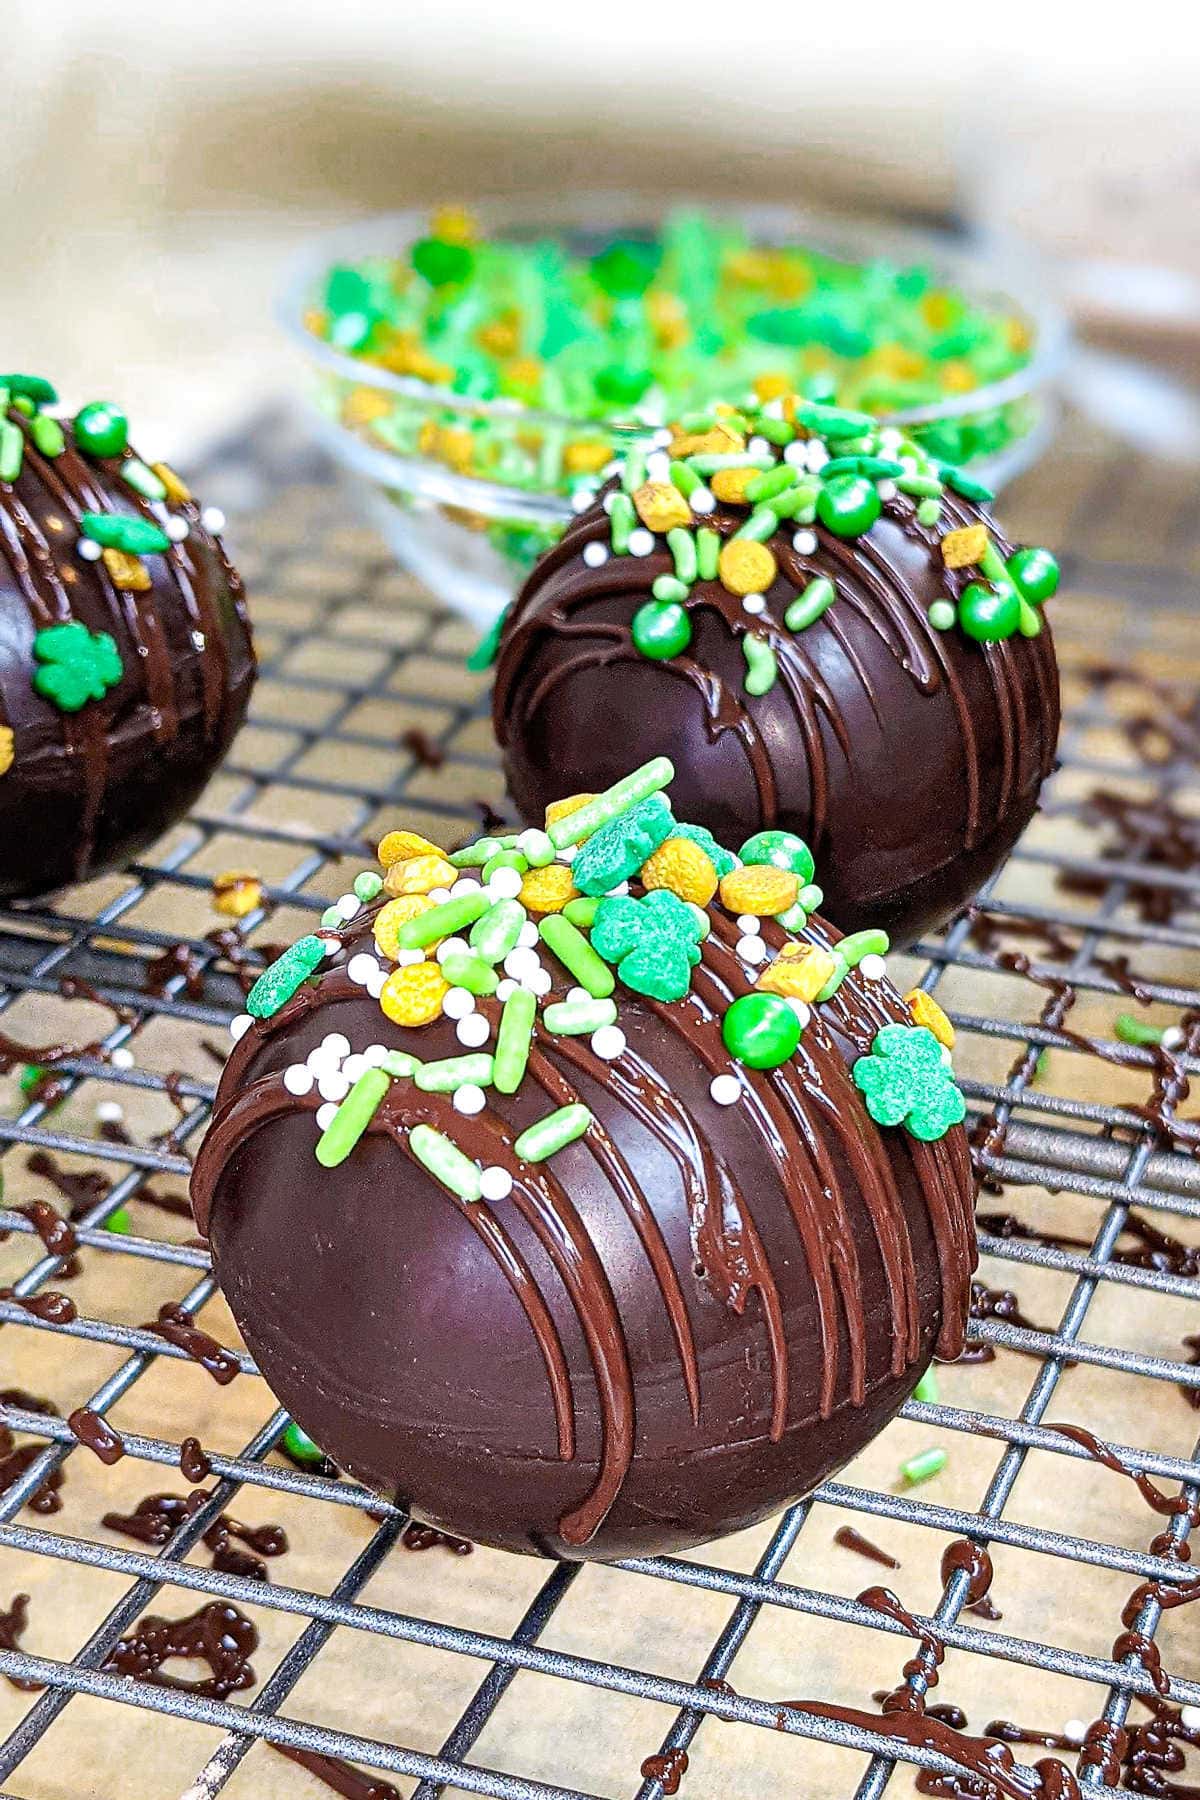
(48, 435)
(771, 482)
(445, 1162)
(793, 919)
(331, 918)
(1029, 621)
(400, 1065)
(484, 654)
(506, 859)
(285, 977)
(682, 546)
(872, 942)
(669, 587)
(12, 450)
(31, 387)
(965, 484)
(685, 479)
(921, 487)
(471, 972)
(454, 1072)
(117, 531)
(576, 955)
(143, 480)
(708, 550)
(368, 886)
(762, 670)
(553, 1133)
(927, 1388)
(441, 921)
(875, 468)
(840, 972)
(634, 472)
(473, 856)
(761, 525)
(651, 778)
(300, 1447)
(496, 931)
(621, 519)
(943, 615)
(1132, 1031)
(582, 912)
(352, 1117)
(809, 605)
(578, 1018)
(923, 1466)
(811, 898)
(119, 1222)
(739, 459)
(534, 844)
(513, 1040)
(992, 565)
(832, 421)
(776, 431)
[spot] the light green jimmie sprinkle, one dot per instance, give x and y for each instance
(929, 512)
(761, 525)
(1133, 1031)
(708, 549)
(352, 1117)
(12, 450)
(496, 932)
(872, 942)
(576, 955)
(811, 898)
(553, 1133)
(445, 1162)
(441, 921)
(400, 1065)
(331, 918)
(762, 670)
(923, 1466)
(927, 1388)
(634, 472)
(840, 971)
(651, 778)
(473, 856)
(506, 859)
(684, 478)
(922, 487)
(368, 886)
(621, 517)
(577, 1018)
(712, 465)
(682, 546)
(798, 504)
(771, 482)
(513, 1040)
(454, 1072)
(48, 435)
(992, 565)
(776, 431)
(142, 480)
(474, 973)
(582, 912)
(809, 605)
(669, 587)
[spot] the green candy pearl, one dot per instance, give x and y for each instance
(101, 429)
(1035, 572)
(661, 629)
(783, 849)
(441, 263)
(760, 1030)
(986, 616)
(848, 505)
(942, 615)
(622, 385)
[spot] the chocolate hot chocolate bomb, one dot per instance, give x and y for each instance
(824, 631)
(563, 1195)
(125, 655)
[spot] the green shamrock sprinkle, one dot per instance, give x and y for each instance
(78, 665)
(120, 531)
(906, 1082)
(654, 942)
(722, 860)
(618, 850)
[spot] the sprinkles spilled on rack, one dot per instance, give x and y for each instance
(620, 896)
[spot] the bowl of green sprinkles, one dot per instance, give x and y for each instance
(477, 371)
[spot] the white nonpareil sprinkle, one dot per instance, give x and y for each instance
(121, 1058)
(439, 895)
(404, 959)
(505, 884)
(326, 1115)
(658, 466)
(495, 1183)
(581, 499)
(798, 1006)
(506, 987)
(90, 550)
(568, 853)
(464, 885)
(578, 994)
(752, 950)
(619, 892)
(804, 543)
(1074, 1731)
(702, 500)
(608, 1043)
(725, 1089)
(457, 1003)
(758, 446)
(754, 603)
(538, 983)
(872, 968)
(451, 946)
(239, 1026)
(176, 528)
(818, 455)
(469, 1099)
(796, 453)
(332, 1085)
(348, 905)
(212, 519)
(472, 1031)
(886, 489)
(361, 968)
(641, 542)
(354, 1066)
(376, 984)
(374, 1054)
(109, 1112)
(336, 1043)
(321, 1061)
(773, 409)
(528, 938)
(521, 963)
(749, 924)
(607, 502)
(298, 1078)
(1173, 1038)
(595, 555)
(1189, 1718)
(332, 946)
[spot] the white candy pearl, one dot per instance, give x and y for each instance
(332, 1085)
(749, 924)
(796, 453)
(578, 994)
(641, 542)
(239, 1026)
(451, 946)
(1189, 1718)
(595, 555)
(298, 1078)
(457, 1003)
(335, 1043)
(376, 984)
(473, 1031)
(1173, 1038)
(121, 1058)
(374, 1054)
(505, 884)
(702, 500)
(326, 1115)
(886, 490)
(506, 987)
(798, 1006)
(212, 519)
(725, 1089)
(754, 604)
(404, 959)
(521, 963)
(90, 550)
(361, 968)
(872, 968)
(539, 983)
(464, 885)
(752, 950)
(109, 1112)
(469, 1099)
(439, 895)
(495, 1183)
(354, 1066)
(804, 543)
(608, 1043)
(176, 528)
(1075, 1730)
(529, 937)
(348, 905)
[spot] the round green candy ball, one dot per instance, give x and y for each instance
(848, 505)
(440, 262)
(661, 629)
(760, 1030)
(1035, 572)
(101, 429)
(986, 615)
(942, 615)
(783, 849)
(622, 385)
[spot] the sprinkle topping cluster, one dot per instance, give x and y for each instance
(617, 892)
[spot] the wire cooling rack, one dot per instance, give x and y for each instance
(502, 1676)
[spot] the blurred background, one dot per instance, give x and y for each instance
(161, 162)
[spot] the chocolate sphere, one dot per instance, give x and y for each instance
(125, 654)
(905, 750)
(711, 1287)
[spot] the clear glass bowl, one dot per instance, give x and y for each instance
(472, 540)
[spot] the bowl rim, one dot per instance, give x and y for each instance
(989, 271)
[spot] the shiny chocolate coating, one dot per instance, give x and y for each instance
(668, 1330)
(87, 790)
(910, 759)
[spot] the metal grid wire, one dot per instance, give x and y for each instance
(354, 660)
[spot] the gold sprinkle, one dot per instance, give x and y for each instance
(926, 1011)
(745, 567)
(960, 549)
(730, 485)
(799, 972)
(6, 749)
(178, 491)
(127, 572)
(236, 893)
(582, 458)
(661, 507)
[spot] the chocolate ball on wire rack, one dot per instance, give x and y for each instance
(605, 1244)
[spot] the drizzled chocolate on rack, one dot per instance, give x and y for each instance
(126, 663)
(826, 633)
(566, 1195)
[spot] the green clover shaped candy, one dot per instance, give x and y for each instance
(78, 665)
(618, 850)
(906, 1081)
(654, 942)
